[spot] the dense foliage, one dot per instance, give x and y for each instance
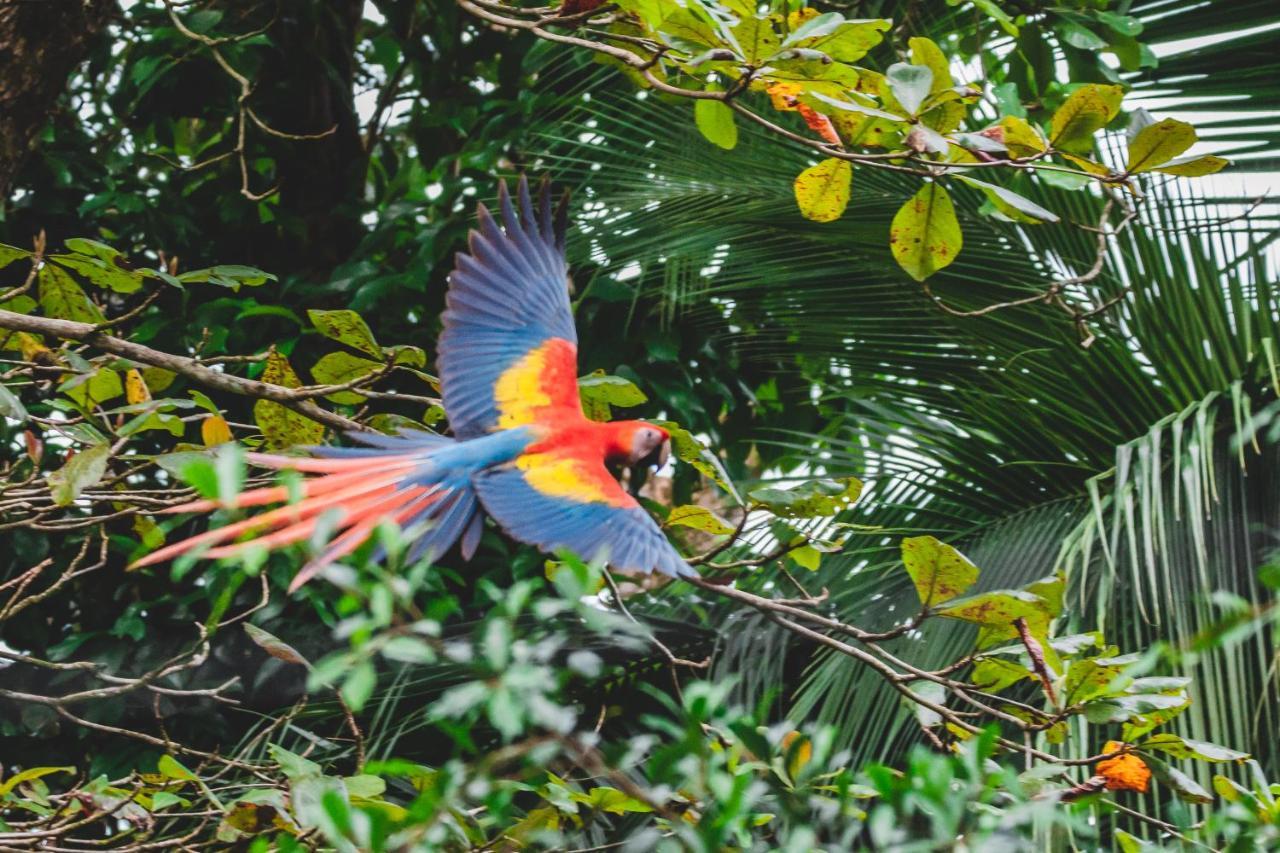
(973, 389)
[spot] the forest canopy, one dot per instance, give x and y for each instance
(961, 318)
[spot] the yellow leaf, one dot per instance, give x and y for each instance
(822, 191)
(1021, 138)
(1086, 111)
(135, 388)
(800, 16)
(214, 430)
(1194, 167)
(925, 236)
(1157, 144)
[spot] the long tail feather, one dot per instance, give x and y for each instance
(421, 481)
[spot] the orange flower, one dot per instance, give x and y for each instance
(1125, 772)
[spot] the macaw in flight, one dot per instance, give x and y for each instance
(522, 451)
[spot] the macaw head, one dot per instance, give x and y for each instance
(641, 443)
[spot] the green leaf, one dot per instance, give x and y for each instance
(609, 800)
(1183, 785)
(365, 786)
(337, 368)
(1158, 143)
(997, 608)
(359, 684)
(11, 407)
(171, 768)
(1185, 748)
(90, 389)
(346, 327)
(910, 84)
(806, 557)
(283, 427)
(1194, 167)
(9, 785)
(939, 571)
(9, 254)
(62, 298)
(689, 450)
(813, 499)
(1009, 203)
(715, 122)
(103, 273)
(599, 392)
(995, 674)
(294, 766)
(822, 191)
(1087, 110)
(926, 52)
(925, 235)
(83, 470)
(843, 41)
(756, 38)
(699, 518)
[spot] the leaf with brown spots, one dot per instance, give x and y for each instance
(822, 191)
(939, 572)
(925, 234)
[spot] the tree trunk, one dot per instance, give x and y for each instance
(41, 43)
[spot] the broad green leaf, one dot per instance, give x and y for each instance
(687, 448)
(91, 389)
(1194, 167)
(997, 608)
(813, 499)
(756, 38)
(406, 354)
(926, 52)
(1230, 790)
(1183, 785)
(62, 298)
(9, 254)
(20, 304)
(1159, 143)
(1015, 207)
(346, 327)
(83, 470)
(338, 368)
(843, 41)
(101, 272)
(1086, 111)
(11, 407)
(1087, 679)
(699, 518)
(365, 786)
(992, 10)
(9, 785)
(283, 427)
(294, 766)
(910, 84)
(1133, 709)
(599, 392)
(171, 768)
(995, 674)
(1021, 137)
(715, 122)
(610, 800)
(822, 191)
(939, 571)
(359, 684)
(1185, 748)
(92, 248)
(925, 235)
(806, 557)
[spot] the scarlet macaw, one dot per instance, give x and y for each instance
(522, 451)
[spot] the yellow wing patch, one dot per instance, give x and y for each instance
(562, 477)
(519, 390)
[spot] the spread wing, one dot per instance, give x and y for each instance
(556, 500)
(509, 346)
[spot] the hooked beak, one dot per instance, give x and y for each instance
(659, 456)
